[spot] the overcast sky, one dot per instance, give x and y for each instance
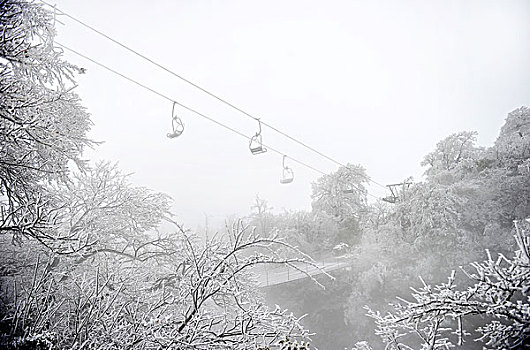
(375, 83)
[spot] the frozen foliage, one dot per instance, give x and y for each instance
(514, 140)
(42, 124)
(467, 204)
(341, 194)
(98, 210)
(105, 278)
(451, 153)
(175, 294)
(436, 318)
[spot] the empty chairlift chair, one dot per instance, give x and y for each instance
(176, 124)
(287, 173)
(255, 144)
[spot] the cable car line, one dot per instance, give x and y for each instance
(196, 112)
(184, 106)
(287, 172)
(206, 91)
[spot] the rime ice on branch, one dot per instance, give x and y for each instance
(42, 124)
(436, 318)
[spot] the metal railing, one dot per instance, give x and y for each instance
(273, 276)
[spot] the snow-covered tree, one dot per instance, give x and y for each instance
(452, 158)
(438, 316)
(513, 143)
(182, 295)
(42, 124)
(512, 166)
(341, 194)
(98, 209)
(261, 215)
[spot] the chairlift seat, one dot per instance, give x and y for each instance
(174, 134)
(287, 176)
(255, 145)
(286, 181)
(257, 149)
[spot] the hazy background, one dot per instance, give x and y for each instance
(375, 83)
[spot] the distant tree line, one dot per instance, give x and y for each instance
(467, 205)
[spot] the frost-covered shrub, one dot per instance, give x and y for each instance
(439, 316)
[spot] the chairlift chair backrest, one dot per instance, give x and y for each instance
(287, 176)
(256, 145)
(178, 128)
(287, 173)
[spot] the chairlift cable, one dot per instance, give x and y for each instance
(206, 91)
(188, 108)
(193, 110)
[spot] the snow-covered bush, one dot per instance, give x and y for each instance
(440, 317)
